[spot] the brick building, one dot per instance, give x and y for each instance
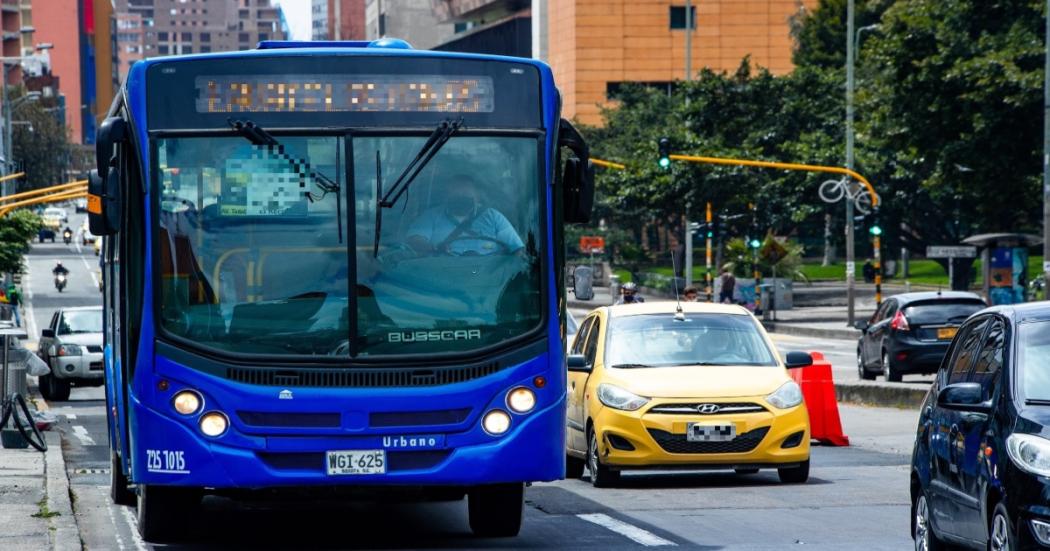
(337, 19)
(596, 45)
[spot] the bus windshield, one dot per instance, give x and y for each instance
(273, 248)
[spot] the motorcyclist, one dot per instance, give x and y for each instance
(67, 234)
(629, 294)
(59, 269)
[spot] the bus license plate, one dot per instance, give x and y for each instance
(343, 462)
(697, 432)
(946, 333)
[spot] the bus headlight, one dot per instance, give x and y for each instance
(521, 400)
(496, 422)
(214, 423)
(187, 402)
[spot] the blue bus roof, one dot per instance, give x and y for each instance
(381, 47)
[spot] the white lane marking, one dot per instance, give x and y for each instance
(82, 434)
(133, 526)
(116, 529)
(636, 534)
(90, 271)
(71, 416)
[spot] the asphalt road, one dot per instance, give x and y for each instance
(856, 497)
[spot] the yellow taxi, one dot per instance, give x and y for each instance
(662, 385)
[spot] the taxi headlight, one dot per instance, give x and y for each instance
(1030, 453)
(214, 423)
(618, 398)
(496, 422)
(187, 402)
(521, 400)
(787, 396)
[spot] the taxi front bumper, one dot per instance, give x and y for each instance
(647, 438)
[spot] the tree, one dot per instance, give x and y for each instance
(40, 143)
(16, 230)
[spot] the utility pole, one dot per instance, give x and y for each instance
(850, 261)
(1046, 157)
(707, 276)
(688, 249)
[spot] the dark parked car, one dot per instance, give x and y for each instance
(980, 472)
(910, 332)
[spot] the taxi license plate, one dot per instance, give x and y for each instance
(345, 462)
(946, 333)
(700, 432)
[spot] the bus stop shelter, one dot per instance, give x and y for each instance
(1004, 264)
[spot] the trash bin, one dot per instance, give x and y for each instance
(766, 293)
(583, 282)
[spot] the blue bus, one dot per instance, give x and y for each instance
(333, 268)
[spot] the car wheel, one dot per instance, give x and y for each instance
(58, 388)
(795, 475)
(573, 467)
(1000, 532)
(44, 384)
(922, 529)
(118, 482)
(601, 476)
(862, 372)
(891, 374)
(495, 511)
(746, 471)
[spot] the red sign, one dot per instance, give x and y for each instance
(594, 244)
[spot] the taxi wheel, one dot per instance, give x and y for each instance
(164, 511)
(495, 511)
(795, 475)
(601, 476)
(573, 467)
(118, 482)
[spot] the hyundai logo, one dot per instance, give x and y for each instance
(708, 409)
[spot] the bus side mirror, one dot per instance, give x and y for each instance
(104, 183)
(578, 176)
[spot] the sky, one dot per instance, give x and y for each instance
(297, 14)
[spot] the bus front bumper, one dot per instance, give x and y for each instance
(167, 452)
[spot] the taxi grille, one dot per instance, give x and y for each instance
(677, 443)
(694, 408)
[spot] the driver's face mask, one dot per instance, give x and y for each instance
(461, 205)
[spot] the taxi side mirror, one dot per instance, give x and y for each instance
(798, 359)
(578, 363)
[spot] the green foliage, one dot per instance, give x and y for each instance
(40, 143)
(16, 230)
(740, 259)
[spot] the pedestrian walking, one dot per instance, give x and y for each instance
(728, 286)
(14, 298)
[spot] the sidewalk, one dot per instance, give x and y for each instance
(827, 322)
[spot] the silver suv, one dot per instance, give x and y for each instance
(72, 347)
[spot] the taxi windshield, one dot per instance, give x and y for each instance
(660, 340)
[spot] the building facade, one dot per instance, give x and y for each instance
(594, 46)
(58, 22)
(411, 20)
(502, 27)
(173, 27)
(338, 20)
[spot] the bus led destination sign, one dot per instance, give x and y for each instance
(344, 93)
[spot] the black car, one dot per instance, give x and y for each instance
(980, 473)
(910, 332)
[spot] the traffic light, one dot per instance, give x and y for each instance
(665, 153)
(755, 243)
(712, 229)
(875, 229)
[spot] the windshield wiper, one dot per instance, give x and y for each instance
(1036, 402)
(387, 200)
(259, 136)
(631, 366)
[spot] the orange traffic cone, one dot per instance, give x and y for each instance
(818, 389)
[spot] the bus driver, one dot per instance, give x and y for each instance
(462, 226)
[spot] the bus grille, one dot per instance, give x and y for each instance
(362, 377)
(287, 419)
(417, 418)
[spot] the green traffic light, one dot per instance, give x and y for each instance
(665, 162)
(710, 234)
(755, 243)
(875, 230)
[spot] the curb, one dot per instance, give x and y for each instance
(800, 330)
(892, 395)
(65, 534)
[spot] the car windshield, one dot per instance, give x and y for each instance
(942, 311)
(657, 340)
(1033, 359)
(80, 321)
(256, 244)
